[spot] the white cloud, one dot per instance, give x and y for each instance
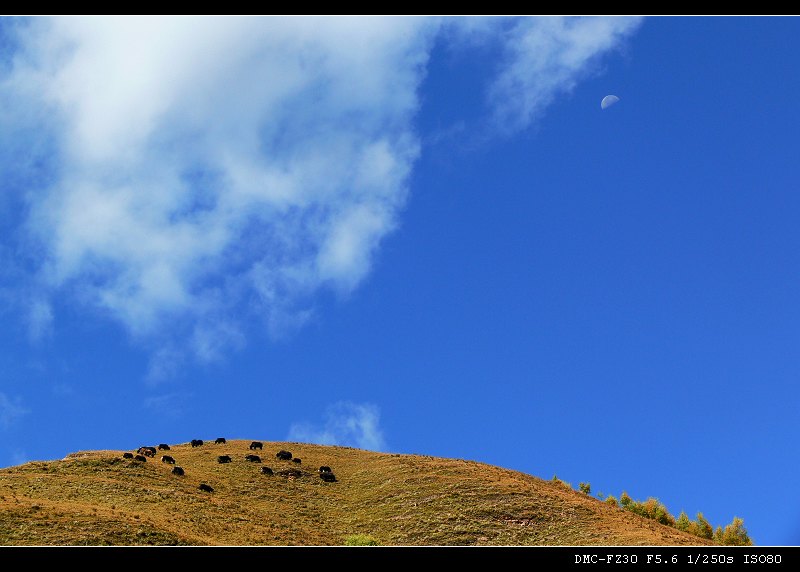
(344, 423)
(202, 161)
(211, 342)
(10, 410)
(180, 174)
(546, 57)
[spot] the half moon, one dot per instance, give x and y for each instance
(608, 101)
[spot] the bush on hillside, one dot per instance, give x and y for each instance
(684, 523)
(558, 481)
(704, 529)
(658, 512)
(651, 508)
(360, 540)
(734, 534)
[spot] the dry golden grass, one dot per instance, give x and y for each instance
(98, 498)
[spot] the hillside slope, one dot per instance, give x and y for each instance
(97, 498)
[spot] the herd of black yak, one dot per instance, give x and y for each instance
(141, 455)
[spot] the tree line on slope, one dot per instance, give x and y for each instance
(733, 534)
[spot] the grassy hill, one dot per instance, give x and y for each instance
(98, 498)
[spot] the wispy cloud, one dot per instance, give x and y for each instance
(19, 457)
(344, 423)
(10, 410)
(546, 57)
(181, 175)
(169, 404)
(165, 363)
(40, 319)
(63, 389)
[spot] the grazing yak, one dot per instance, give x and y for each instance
(252, 458)
(325, 469)
(127, 455)
(256, 445)
(223, 459)
(148, 451)
(283, 455)
(206, 488)
(178, 471)
(140, 458)
(266, 471)
(167, 459)
(197, 442)
(163, 447)
(328, 477)
(297, 460)
(220, 441)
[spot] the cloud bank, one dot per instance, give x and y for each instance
(189, 174)
(345, 423)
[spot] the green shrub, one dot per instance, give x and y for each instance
(585, 488)
(704, 529)
(683, 523)
(558, 481)
(734, 534)
(360, 540)
(635, 507)
(651, 508)
(658, 512)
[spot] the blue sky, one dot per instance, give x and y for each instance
(412, 235)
